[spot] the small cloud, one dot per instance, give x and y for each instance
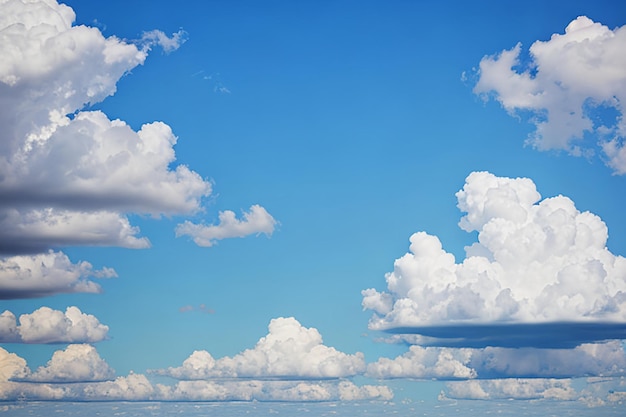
(255, 221)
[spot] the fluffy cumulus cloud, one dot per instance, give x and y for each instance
(79, 374)
(255, 221)
(425, 363)
(574, 84)
(537, 263)
(77, 363)
(254, 390)
(28, 276)
(289, 350)
(46, 325)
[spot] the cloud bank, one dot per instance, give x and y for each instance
(536, 262)
(30, 276)
(46, 325)
(574, 85)
(289, 350)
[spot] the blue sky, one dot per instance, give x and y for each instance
(287, 154)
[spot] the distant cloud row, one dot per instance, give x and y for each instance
(70, 177)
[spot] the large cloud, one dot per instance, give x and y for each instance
(574, 84)
(536, 263)
(58, 173)
(46, 325)
(256, 221)
(77, 363)
(289, 350)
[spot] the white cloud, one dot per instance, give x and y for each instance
(570, 80)
(69, 180)
(46, 325)
(12, 366)
(254, 390)
(514, 389)
(591, 359)
(255, 221)
(76, 374)
(9, 332)
(77, 363)
(70, 177)
(91, 163)
(134, 387)
(534, 262)
(45, 274)
(31, 231)
(288, 351)
(425, 363)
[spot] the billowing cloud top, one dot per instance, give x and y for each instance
(288, 351)
(569, 83)
(534, 262)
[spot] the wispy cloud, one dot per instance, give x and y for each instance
(574, 85)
